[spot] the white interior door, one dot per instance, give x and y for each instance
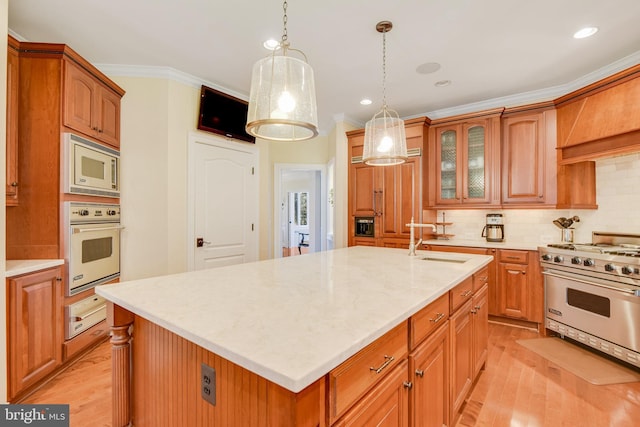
(225, 200)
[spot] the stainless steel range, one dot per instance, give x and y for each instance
(592, 293)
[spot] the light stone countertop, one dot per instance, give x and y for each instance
(292, 320)
(16, 267)
(484, 244)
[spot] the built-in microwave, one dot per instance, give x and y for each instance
(89, 168)
(364, 226)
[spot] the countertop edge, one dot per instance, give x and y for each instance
(483, 244)
(18, 267)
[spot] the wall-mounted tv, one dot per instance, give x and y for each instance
(223, 114)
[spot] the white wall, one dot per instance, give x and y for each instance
(157, 115)
(618, 198)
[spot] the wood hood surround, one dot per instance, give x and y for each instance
(600, 120)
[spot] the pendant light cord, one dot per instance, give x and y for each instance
(284, 21)
(384, 68)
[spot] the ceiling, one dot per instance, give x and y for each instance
(489, 49)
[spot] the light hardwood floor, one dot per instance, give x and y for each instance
(518, 388)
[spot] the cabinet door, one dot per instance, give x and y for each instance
(363, 191)
(108, 116)
(447, 170)
(480, 329)
(79, 99)
(401, 199)
(429, 373)
(385, 405)
(475, 163)
(461, 335)
(513, 290)
(523, 156)
(35, 327)
(12, 127)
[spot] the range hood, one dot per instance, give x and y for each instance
(600, 120)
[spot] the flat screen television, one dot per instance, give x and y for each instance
(223, 114)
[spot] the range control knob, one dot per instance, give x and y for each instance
(609, 267)
(627, 269)
(576, 260)
(83, 212)
(547, 257)
(111, 212)
(558, 258)
(588, 262)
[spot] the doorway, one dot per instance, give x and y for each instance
(299, 209)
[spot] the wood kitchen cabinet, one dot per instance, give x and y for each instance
(35, 328)
(89, 107)
(480, 321)
(13, 82)
(464, 168)
(520, 286)
(529, 163)
(429, 373)
(390, 194)
(385, 405)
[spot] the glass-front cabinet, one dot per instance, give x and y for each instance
(463, 169)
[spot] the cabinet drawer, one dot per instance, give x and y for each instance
(461, 293)
(480, 278)
(351, 380)
(519, 257)
(424, 322)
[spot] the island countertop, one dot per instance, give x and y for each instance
(292, 320)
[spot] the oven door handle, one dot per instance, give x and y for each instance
(85, 230)
(91, 313)
(587, 282)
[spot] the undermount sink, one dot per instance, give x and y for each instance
(456, 260)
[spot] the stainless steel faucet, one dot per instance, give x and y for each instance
(412, 225)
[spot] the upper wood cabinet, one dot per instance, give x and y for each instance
(529, 157)
(465, 161)
(89, 107)
(13, 82)
(390, 194)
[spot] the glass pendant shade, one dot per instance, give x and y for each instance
(385, 141)
(282, 101)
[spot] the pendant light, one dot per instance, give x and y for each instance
(282, 102)
(385, 142)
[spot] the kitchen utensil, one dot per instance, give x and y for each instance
(557, 223)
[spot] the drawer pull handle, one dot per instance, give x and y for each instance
(420, 373)
(466, 294)
(388, 360)
(439, 317)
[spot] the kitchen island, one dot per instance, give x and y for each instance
(272, 330)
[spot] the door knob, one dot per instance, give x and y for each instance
(200, 242)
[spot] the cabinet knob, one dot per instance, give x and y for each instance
(420, 373)
(407, 384)
(14, 184)
(59, 279)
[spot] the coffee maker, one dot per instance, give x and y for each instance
(494, 230)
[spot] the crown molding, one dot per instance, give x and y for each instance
(343, 118)
(540, 95)
(168, 73)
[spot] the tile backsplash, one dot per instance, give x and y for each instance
(617, 195)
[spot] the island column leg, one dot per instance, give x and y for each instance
(120, 320)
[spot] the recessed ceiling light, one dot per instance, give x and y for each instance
(271, 44)
(428, 68)
(442, 83)
(585, 32)
(365, 101)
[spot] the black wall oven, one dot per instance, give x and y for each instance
(364, 226)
